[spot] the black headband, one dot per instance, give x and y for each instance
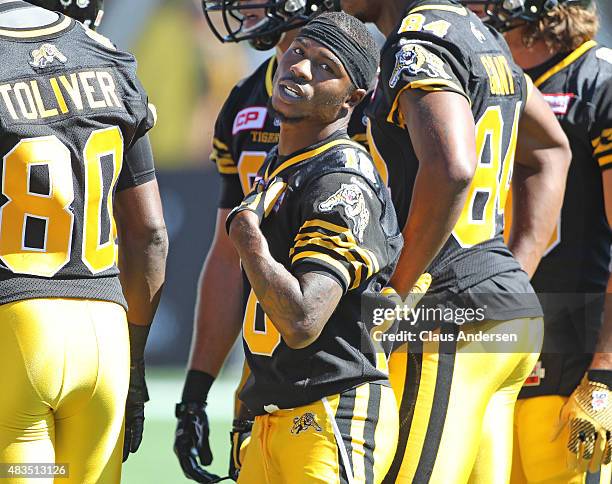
(360, 63)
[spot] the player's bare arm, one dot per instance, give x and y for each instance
(143, 247)
(298, 306)
(441, 127)
(542, 160)
(220, 280)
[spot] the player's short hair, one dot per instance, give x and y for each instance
(564, 28)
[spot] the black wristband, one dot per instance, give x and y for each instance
(138, 341)
(601, 376)
(197, 386)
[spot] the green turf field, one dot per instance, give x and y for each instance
(155, 462)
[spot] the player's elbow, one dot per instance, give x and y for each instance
(457, 172)
(301, 334)
(151, 241)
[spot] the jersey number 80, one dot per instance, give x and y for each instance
(52, 209)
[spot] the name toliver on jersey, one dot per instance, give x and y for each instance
(70, 107)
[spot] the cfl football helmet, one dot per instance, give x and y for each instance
(226, 18)
(89, 12)
(503, 15)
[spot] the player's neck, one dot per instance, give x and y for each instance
(298, 136)
(527, 57)
(391, 13)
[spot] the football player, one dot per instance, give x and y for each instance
(244, 133)
(553, 42)
(315, 236)
(82, 241)
(448, 110)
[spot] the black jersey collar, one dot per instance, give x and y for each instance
(338, 138)
(567, 61)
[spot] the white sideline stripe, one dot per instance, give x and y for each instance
(339, 441)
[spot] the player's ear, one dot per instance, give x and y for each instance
(355, 98)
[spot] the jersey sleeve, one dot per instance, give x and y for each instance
(138, 165)
(419, 64)
(340, 233)
(601, 132)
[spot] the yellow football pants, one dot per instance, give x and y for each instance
(65, 375)
(536, 457)
(345, 438)
(457, 402)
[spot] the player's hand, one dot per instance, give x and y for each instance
(191, 441)
(588, 414)
(134, 408)
(414, 296)
(261, 201)
(240, 436)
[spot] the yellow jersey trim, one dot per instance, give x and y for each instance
(309, 154)
(570, 59)
(425, 85)
(38, 32)
(529, 86)
(270, 75)
(446, 8)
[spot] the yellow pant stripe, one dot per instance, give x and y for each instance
(422, 411)
(331, 412)
(360, 414)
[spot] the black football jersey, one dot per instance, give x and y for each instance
(579, 91)
(573, 275)
(70, 108)
(441, 46)
(335, 218)
(245, 133)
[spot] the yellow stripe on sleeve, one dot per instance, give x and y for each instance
(329, 260)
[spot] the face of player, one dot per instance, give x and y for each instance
(364, 10)
(312, 84)
(253, 17)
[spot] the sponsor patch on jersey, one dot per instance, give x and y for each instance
(351, 198)
(559, 103)
(46, 55)
(604, 53)
(599, 400)
(413, 59)
(536, 376)
(303, 423)
(250, 118)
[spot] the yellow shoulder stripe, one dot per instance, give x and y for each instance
(570, 59)
(329, 260)
(425, 85)
(310, 154)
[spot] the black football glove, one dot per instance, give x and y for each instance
(137, 391)
(240, 437)
(261, 201)
(191, 444)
